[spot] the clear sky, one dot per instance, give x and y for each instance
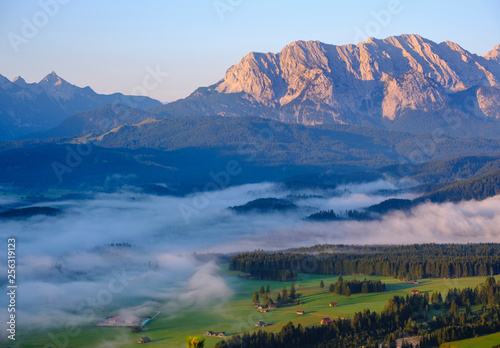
(113, 45)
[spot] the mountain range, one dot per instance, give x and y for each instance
(310, 109)
(405, 83)
(32, 107)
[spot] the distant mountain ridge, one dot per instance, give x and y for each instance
(93, 122)
(280, 143)
(182, 153)
(32, 107)
(405, 83)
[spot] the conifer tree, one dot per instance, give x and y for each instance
(255, 297)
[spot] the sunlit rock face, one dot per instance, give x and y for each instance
(375, 83)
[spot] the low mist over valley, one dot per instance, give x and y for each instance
(148, 246)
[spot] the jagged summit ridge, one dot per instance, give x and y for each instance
(58, 87)
(19, 80)
(35, 107)
(494, 54)
(371, 83)
(52, 79)
(447, 63)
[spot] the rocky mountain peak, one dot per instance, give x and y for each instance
(494, 54)
(18, 80)
(298, 69)
(52, 79)
(379, 82)
(58, 88)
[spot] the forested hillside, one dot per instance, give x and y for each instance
(401, 261)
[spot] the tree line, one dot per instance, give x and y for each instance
(285, 296)
(331, 215)
(348, 287)
(403, 261)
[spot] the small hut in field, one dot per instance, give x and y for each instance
(143, 340)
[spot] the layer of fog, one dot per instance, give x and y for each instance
(68, 272)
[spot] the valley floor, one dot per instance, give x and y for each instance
(237, 313)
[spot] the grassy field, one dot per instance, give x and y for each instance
(486, 341)
(237, 314)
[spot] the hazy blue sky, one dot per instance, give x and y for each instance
(111, 45)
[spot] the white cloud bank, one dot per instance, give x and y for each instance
(68, 273)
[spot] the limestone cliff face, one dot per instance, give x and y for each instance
(412, 91)
(494, 54)
(366, 84)
(488, 99)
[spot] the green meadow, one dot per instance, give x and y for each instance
(486, 341)
(237, 314)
